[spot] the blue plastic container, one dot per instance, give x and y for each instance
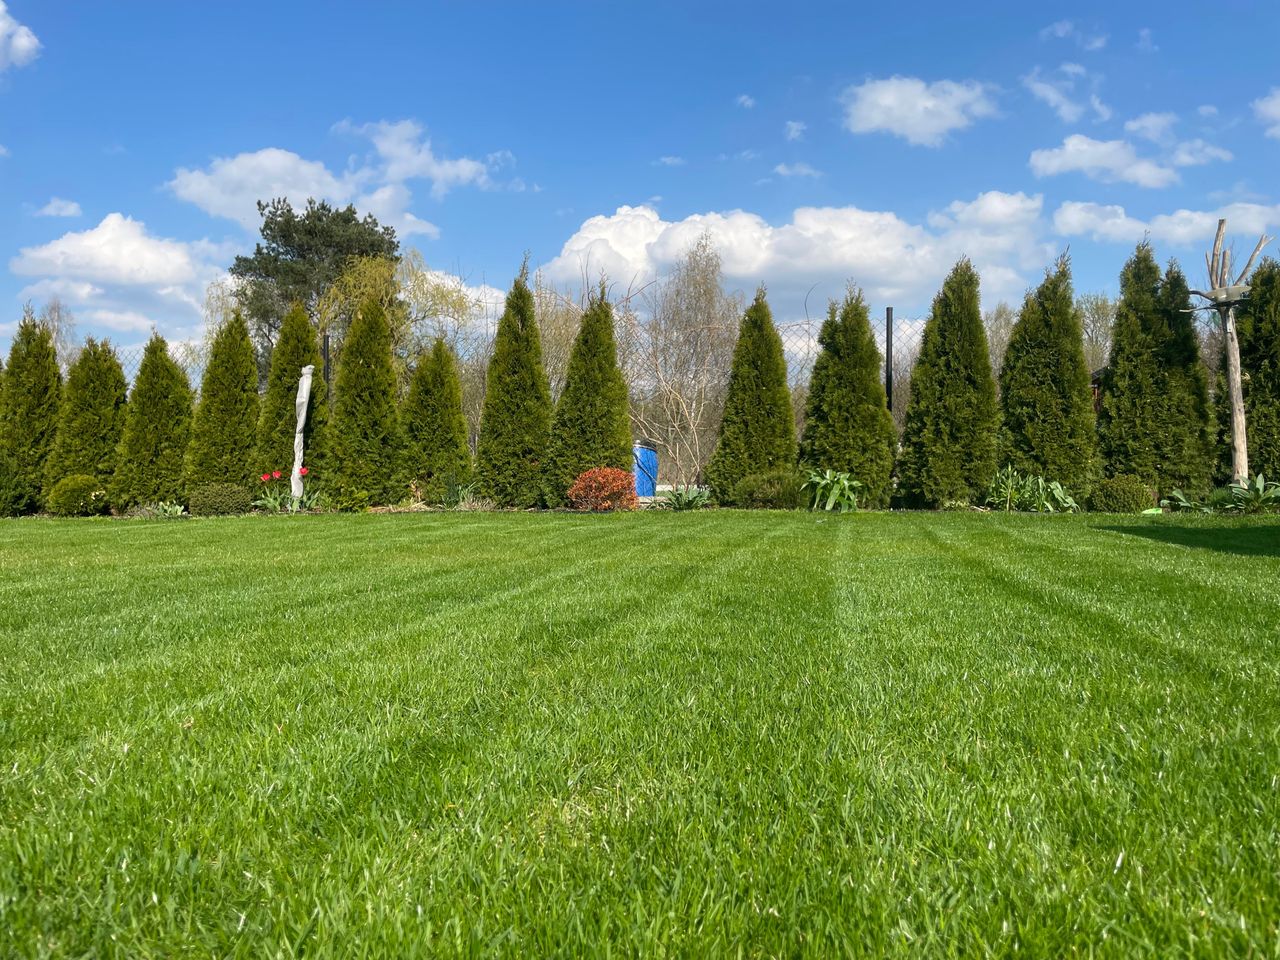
(645, 467)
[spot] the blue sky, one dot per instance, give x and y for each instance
(819, 143)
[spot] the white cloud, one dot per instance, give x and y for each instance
(1156, 127)
(746, 101)
(1055, 94)
(57, 207)
(795, 129)
(1105, 160)
(232, 186)
(18, 45)
(889, 256)
(800, 169)
(669, 162)
(406, 154)
(1100, 110)
(1145, 43)
(1068, 30)
(919, 112)
(1267, 110)
(1182, 228)
(122, 321)
(73, 291)
(1194, 153)
(1207, 110)
(118, 250)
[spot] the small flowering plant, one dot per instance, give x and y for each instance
(277, 497)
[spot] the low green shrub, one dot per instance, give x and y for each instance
(833, 490)
(687, 497)
(219, 500)
(78, 495)
(1121, 494)
(780, 489)
(1011, 492)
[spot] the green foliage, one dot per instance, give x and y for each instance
(301, 255)
(218, 499)
(1124, 493)
(295, 348)
(1154, 420)
(226, 418)
(29, 416)
(949, 440)
(515, 425)
(781, 488)
(77, 495)
(758, 430)
(1045, 394)
(684, 498)
(592, 423)
(91, 418)
(1012, 491)
(847, 425)
(436, 453)
(1259, 333)
(833, 490)
(365, 431)
(1255, 496)
(149, 465)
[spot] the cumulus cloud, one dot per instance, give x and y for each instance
(1267, 111)
(892, 258)
(1156, 127)
(118, 250)
(18, 45)
(1068, 30)
(1183, 228)
(57, 207)
(794, 130)
(1194, 153)
(1107, 160)
(796, 170)
(746, 101)
(921, 113)
(1055, 92)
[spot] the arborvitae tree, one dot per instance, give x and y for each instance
(1154, 419)
(1259, 332)
(1045, 395)
(847, 425)
(149, 465)
(758, 430)
(516, 422)
(592, 424)
(949, 439)
(29, 418)
(91, 419)
(436, 452)
(226, 418)
(365, 430)
(294, 349)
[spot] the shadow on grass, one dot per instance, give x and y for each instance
(1259, 541)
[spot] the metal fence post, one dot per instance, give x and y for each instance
(888, 357)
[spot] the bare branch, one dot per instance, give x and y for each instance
(1262, 242)
(1217, 254)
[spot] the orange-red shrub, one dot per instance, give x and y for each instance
(604, 488)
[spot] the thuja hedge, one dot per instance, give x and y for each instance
(435, 429)
(149, 468)
(29, 416)
(91, 418)
(226, 418)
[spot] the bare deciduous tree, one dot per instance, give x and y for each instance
(61, 324)
(999, 323)
(558, 316)
(1097, 316)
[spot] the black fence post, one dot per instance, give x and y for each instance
(888, 356)
(324, 354)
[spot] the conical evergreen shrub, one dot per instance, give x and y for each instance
(515, 423)
(758, 430)
(365, 429)
(29, 418)
(1154, 421)
(1259, 333)
(294, 349)
(1045, 395)
(91, 419)
(847, 425)
(592, 423)
(157, 428)
(436, 451)
(949, 439)
(225, 424)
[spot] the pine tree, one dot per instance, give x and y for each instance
(294, 349)
(949, 439)
(758, 430)
(29, 419)
(516, 421)
(91, 418)
(847, 425)
(149, 464)
(1045, 395)
(226, 418)
(1154, 420)
(365, 430)
(1259, 332)
(592, 424)
(436, 451)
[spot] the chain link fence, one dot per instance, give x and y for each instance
(677, 382)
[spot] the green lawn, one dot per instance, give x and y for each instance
(661, 734)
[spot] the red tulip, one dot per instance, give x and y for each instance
(275, 474)
(302, 471)
(266, 477)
